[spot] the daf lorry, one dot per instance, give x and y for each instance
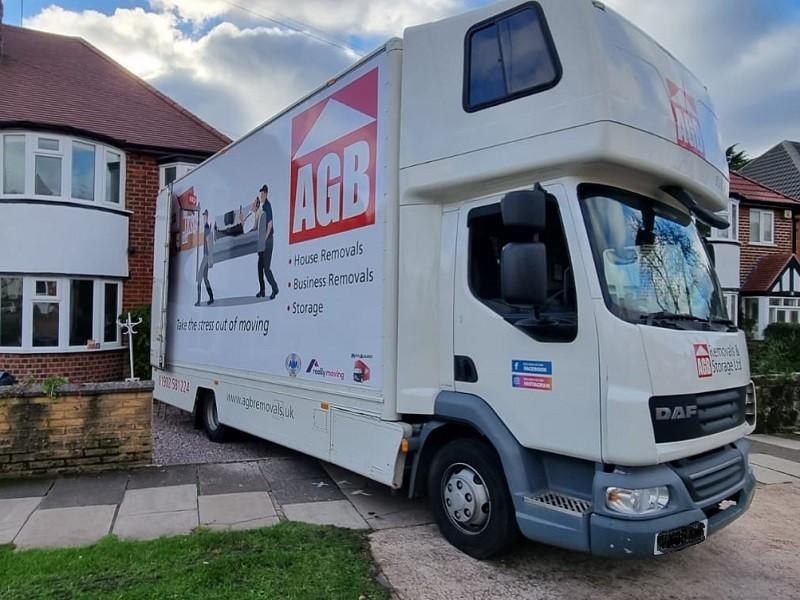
(471, 265)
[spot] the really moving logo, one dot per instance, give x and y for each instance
(314, 368)
(333, 162)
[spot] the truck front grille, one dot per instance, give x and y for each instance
(718, 411)
(709, 474)
(688, 416)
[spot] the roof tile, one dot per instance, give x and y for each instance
(64, 81)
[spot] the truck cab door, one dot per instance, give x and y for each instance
(539, 375)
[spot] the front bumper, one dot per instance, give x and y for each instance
(706, 494)
(619, 538)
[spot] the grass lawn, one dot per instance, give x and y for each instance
(289, 560)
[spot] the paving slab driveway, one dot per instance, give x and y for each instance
(756, 557)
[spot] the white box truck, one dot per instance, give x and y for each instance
(472, 265)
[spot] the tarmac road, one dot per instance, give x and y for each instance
(757, 556)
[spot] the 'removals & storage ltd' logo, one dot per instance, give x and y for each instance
(334, 145)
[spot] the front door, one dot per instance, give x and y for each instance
(540, 372)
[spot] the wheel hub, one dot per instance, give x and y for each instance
(466, 498)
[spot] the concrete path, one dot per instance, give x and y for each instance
(153, 502)
(756, 557)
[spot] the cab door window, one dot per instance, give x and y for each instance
(556, 319)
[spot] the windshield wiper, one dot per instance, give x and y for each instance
(662, 317)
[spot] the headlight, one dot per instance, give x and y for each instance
(637, 502)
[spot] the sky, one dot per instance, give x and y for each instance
(235, 63)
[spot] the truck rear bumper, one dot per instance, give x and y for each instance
(706, 494)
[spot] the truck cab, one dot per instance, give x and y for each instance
(573, 323)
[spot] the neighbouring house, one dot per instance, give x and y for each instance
(756, 256)
(778, 168)
(84, 148)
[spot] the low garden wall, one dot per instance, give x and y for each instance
(778, 402)
(75, 428)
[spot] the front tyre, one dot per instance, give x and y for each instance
(216, 431)
(470, 499)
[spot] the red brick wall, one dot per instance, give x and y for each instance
(750, 253)
(77, 367)
(141, 190)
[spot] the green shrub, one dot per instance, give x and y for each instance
(779, 352)
(141, 340)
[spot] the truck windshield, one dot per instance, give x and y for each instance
(652, 264)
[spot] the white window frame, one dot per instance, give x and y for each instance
(181, 169)
(788, 306)
(761, 241)
(731, 300)
(65, 154)
(63, 298)
(731, 214)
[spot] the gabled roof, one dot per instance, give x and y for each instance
(64, 82)
(768, 271)
(778, 167)
(746, 189)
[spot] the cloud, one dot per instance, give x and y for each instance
(234, 78)
(235, 68)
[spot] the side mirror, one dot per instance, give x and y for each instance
(525, 209)
(523, 273)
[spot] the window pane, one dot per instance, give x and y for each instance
(766, 226)
(47, 144)
(81, 311)
(10, 311)
(755, 226)
(82, 171)
(485, 75)
(170, 175)
(110, 328)
(112, 177)
(47, 288)
(45, 323)
(48, 175)
(734, 228)
(14, 164)
(508, 57)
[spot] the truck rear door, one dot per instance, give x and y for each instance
(161, 241)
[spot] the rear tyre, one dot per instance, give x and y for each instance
(216, 431)
(470, 500)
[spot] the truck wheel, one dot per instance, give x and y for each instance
(216, 431)
(470, 499)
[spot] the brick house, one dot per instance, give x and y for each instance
(84, 147)
(756, 258)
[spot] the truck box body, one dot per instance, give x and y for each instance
(330, 166)
(399, 197)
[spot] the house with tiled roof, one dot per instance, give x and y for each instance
(756, 257)
(778, 168)
(84, 148)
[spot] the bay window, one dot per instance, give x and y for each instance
(53, 314)
(49, 166)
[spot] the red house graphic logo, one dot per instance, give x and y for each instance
(333, 162)
(687, 126)
(702, 358)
